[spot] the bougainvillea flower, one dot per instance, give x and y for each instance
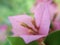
(31, 29)
(27, 28)
(3, 29)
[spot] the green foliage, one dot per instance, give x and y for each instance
(53, 38)
(57, 1)
(13, 7)
(33, 43)
(6, 43)
(16, 41)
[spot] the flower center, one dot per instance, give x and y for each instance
(31, 30)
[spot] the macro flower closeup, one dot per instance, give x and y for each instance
(29, 22)
(29, 28)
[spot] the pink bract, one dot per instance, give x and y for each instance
(24, 32)
(22, 24)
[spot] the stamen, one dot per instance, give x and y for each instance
(33, 22)
(25, 25)
(31, 31)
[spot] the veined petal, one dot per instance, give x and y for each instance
(45, 21)
(38, 12)
(17, 21)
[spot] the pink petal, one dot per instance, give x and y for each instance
(16, 24)
(38, 12)
(45, 21)
(30, 38)
(39, 9)
(44, 16)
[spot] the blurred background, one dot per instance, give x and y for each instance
(11, 8)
